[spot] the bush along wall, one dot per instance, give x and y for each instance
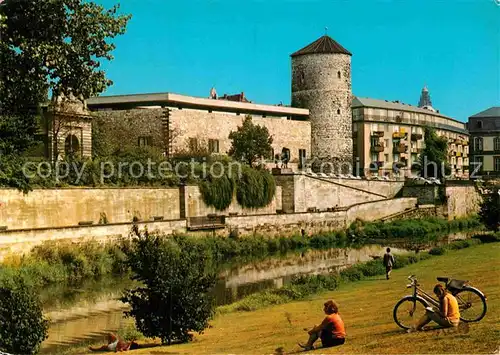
(52, 263)
(74, 262)
(255, 188)
(410, 228)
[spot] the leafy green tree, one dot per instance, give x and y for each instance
(250, 142)
(174, 299)
(434, 156)
(255, 188)
(490, 210)
(48, 46)
(58, 45)
(23, 325)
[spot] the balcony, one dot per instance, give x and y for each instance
(378, 134)
(375, 165)
(401, 164)
(400, 148)
(416, 136)
(377, 148)
(399, 135)
(460, 142)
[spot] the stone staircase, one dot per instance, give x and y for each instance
(416, 212)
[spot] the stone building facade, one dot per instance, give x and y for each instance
(484, 129)
(176, 124)
(67, 126)
(321, 82)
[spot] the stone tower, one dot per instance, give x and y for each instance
(321, 82)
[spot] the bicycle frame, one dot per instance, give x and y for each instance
(417, 291)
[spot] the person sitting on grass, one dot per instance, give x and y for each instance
(115, 343)
(331, 330)
(448, 314)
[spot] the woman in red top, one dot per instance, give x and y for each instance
(331, 330)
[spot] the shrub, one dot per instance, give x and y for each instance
(351, 274)
(437, 251)
(487, 238)
(490, 210)
(255, 188)
(174, 299)
(408, 228)
(217, 191)
(371, 268)
(23, 325)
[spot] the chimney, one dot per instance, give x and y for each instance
(242, 96)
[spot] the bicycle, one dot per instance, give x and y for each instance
(471, 302)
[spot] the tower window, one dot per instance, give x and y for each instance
(479, 124)
(338, 111)
(338, 74)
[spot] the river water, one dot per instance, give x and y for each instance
(88, 312)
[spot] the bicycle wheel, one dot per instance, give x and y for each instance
(472, 305)
(408, 311)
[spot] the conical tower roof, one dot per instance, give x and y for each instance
(324, 44)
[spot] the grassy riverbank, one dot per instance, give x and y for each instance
(366, 307)
(355, 279)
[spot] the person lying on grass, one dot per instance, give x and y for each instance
(331, 330)
(115, 343)
(448, 314)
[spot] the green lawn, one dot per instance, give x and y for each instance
(366, 307)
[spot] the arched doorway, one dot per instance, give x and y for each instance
(285, 157)
(71, 145)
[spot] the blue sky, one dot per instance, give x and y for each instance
(189, 46)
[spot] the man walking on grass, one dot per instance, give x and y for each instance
(388, 263)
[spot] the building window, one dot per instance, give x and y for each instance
(497, 163)
(477, 164)
(479, 124)
(193, 144)
(302, 158)
(338, 111)
(374, 157)
(496, 144)
(213, 146)
(386, 157)
(71, 145)
(338, 74)
(145, 141)
(374, 141)
(285, 155)
(395, 158)
(478, 144)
